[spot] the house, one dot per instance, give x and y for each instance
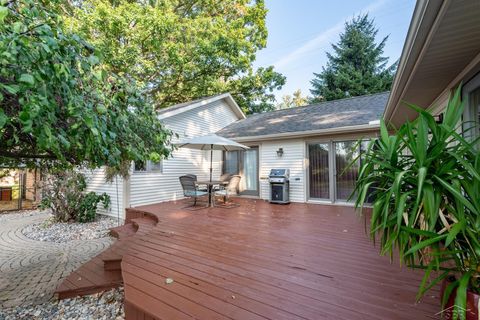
(315, 142)
(157, 182)
(19, 188)
(287, 262)
(441, 51)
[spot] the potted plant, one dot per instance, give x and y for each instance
(424, 182)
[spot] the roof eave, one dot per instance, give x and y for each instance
(302, 134)
(425, 17)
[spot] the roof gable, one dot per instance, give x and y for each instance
(190, 105)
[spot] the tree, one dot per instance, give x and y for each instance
(296, 100)
(59, 106)
(356, 66)
(180, 50)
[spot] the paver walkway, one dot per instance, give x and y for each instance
(31, 270)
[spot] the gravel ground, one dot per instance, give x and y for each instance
(5, 215)
(63, 232)
(107, 305)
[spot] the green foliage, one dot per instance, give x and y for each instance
(356, 66)
(59, 104)
(426, 182)
(4, 173)
(88, 206)
(180, 50)
(64, 192)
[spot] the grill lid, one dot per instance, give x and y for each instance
(285, 173)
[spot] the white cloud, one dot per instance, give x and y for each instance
(323, 38)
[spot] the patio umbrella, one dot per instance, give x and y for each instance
(211, 142)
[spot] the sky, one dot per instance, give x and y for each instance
(302, 31)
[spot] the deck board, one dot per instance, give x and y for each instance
(102, 272)
(297, 261)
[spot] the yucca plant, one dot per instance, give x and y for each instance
(424, 180)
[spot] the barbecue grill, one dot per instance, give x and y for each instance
(279, 180)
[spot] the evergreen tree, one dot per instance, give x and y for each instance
(356, 66)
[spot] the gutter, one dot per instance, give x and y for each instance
(425, 21)
(373, 126)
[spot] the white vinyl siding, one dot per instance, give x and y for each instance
(153, 187)
(201, 121)
(96, 183)
(293, 158)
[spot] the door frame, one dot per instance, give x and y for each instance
(331, 171)
(332, 164)
(470, 115)
(241, 161)
(255, 193)
(342, 201)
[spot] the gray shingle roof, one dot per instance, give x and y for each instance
(325, 115)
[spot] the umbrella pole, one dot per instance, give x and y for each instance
(210, 187)
(211, 161)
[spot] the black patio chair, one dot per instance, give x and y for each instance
(190, 190)
(199, 187)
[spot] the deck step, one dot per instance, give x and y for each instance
(88, 279)
(103, 272)
(112, 258)
(143, 225)
(132, 213)
(124, 231)
(112, 265)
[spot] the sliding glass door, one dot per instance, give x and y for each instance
(245, 164)
(330, 175)
(319, 171)
(249, 181)
(346, 174)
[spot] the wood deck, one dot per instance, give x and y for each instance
(263, 261)
(103, 272)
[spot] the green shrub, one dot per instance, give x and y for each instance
(64, 194)
(88, 206)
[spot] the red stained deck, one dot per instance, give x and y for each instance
(103, 272)
(263, 261)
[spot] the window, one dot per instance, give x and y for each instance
(230, 162)
(140, 166)
(148, 166)
(471, 117)
(155, 166)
